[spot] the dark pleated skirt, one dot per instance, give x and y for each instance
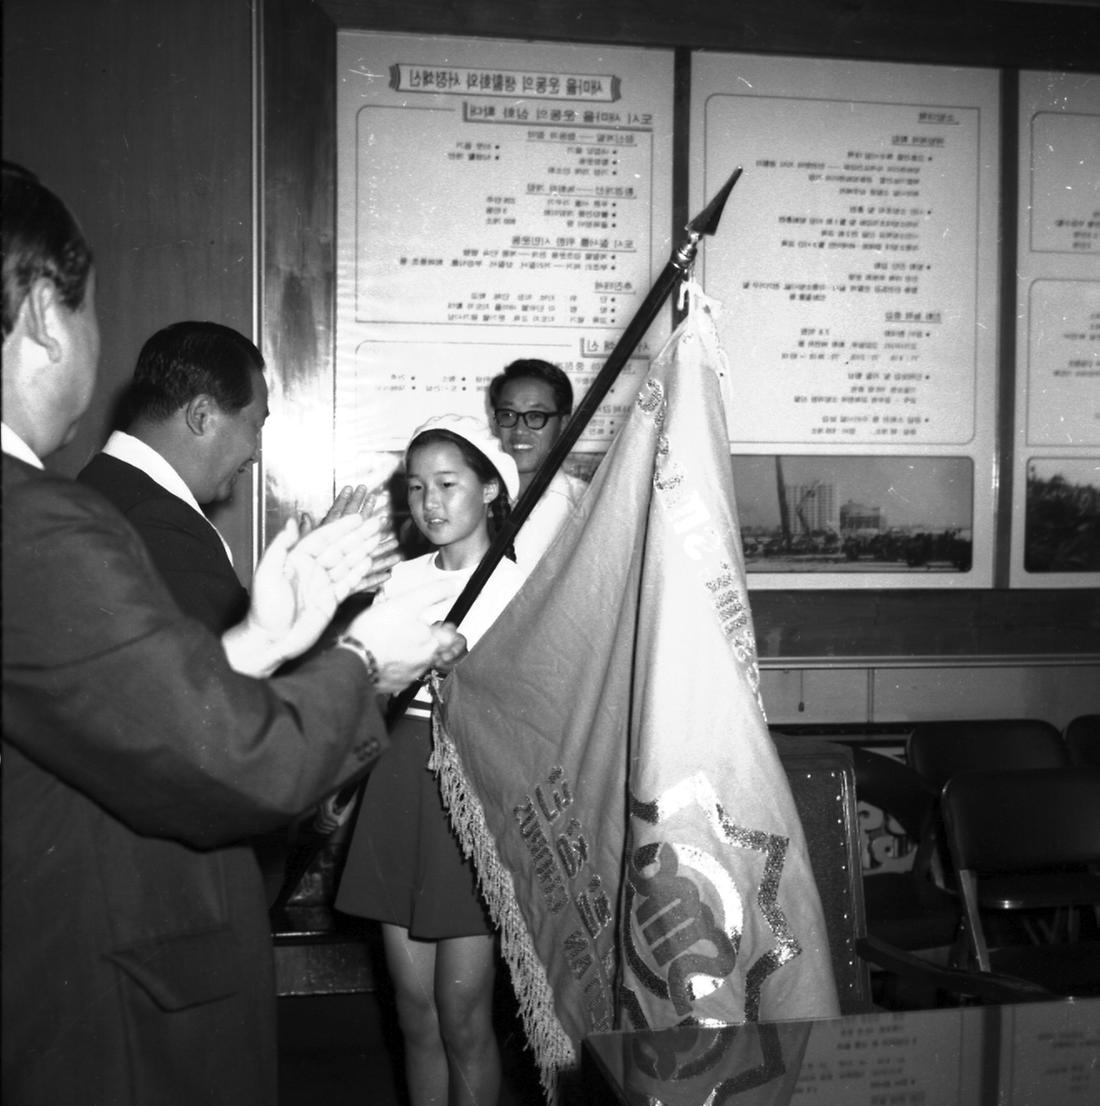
(404, 864)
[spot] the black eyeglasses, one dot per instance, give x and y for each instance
(535, 420)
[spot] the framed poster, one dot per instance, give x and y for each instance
(495, 200)
(1056, 457)
(857, 268)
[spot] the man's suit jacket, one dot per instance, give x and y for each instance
(185, 547)
(135, 938)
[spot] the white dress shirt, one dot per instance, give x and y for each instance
(14, 446)
(133, 451)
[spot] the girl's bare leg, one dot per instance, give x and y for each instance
(412, 966)
(464, 971)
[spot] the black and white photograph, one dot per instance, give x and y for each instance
(857, 514)
(550, 552)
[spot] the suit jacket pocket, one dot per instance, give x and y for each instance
(186, 969)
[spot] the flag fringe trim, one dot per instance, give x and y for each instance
(553, 1049)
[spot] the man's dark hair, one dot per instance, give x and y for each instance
(41, 240)
(532, 368)
(190, 359)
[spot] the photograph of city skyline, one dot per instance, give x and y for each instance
(803, 513)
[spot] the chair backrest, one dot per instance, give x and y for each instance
(1019, 821)
(1082, 738)
(895, 788)
(904, 795)
(940, 750)
(822, 783)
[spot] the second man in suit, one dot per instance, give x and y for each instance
(196, 407)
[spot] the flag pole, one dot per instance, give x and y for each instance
(677, 266)
(679, 263)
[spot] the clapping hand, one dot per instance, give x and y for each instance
(297, 586)
(360, 500)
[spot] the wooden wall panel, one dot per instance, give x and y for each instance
(868, 701)
(139, 116)
(973, 32)
(299, 263)
(994, 622)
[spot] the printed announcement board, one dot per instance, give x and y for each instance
(496, 200)
(1056, 459)
(860, 313)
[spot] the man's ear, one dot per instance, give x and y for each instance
(42, 322)
(199, 413)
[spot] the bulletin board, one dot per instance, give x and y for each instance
(495, 200)
(1056, 456)
(860, 310)
(500, 199)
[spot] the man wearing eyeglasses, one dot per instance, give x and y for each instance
(531, 401)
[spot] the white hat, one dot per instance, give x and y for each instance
(476, 431)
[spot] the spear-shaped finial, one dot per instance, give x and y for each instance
(706, 222)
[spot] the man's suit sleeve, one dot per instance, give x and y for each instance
(110, 688)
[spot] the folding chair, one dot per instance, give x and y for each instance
(823, 788)
(905, 908)
(1027, 840)
(940, 750)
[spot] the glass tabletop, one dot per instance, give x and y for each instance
(1032, 1054)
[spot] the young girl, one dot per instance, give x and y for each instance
(405, 868)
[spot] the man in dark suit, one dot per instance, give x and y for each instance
(198, 401)
(196, 406)
(195, 409)
(136, 753)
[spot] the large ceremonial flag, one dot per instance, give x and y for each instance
(604, 753)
